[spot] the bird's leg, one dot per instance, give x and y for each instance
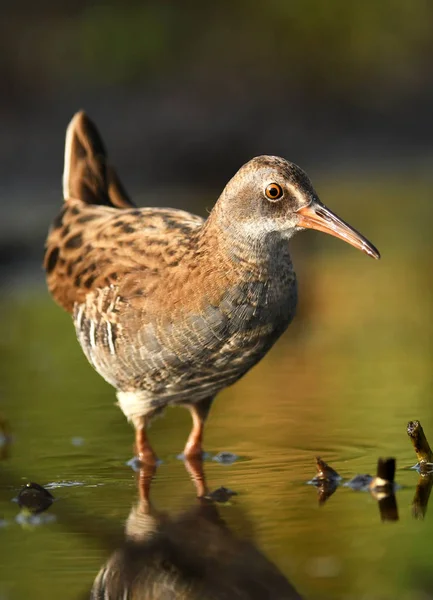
(143, 449)
(199, 412)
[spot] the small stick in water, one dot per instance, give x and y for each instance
(326, 480)
(382, 489)
(325, 472)
(384, 480)
(419, 441)
(422, 495)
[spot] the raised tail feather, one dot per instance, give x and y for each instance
(74, 263)
(87, 176)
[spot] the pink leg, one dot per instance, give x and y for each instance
(143, 448)
(199, 413)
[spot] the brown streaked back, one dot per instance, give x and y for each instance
(93, 247)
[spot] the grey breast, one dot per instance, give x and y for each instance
(195, 354)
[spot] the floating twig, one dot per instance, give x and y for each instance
(34, 498)
(325, 472)
(382, 488)
(326, 480)
(385, 473)
(420, 443)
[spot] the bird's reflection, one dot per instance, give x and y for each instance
(191, 555)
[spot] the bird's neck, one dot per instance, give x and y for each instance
(248, 250)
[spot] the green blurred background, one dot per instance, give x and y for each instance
(337, 56)
(184, 93)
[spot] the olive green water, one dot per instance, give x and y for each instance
(351, 371)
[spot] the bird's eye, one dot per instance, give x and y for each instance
(273, 191)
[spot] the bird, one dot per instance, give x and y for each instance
(171, 308)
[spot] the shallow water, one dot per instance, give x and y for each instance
(352, 370)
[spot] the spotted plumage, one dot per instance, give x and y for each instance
(170, 308)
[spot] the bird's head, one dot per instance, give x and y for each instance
(270, 195)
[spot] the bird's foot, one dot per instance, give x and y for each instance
(147, 457)
(193, 450)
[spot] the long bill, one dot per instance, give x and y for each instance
(318, 216)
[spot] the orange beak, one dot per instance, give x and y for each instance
(318, 216)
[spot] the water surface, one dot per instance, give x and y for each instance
(352, 370)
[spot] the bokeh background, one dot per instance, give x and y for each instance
(184, 93)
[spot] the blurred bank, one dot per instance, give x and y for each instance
(184, 93)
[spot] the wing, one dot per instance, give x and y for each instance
(100, 239)
(92, 247)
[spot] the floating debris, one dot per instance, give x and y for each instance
(382, 488)
(385, 473)
(387, 505)
(34, 498)
(325, 473)
(326, 480)
(421, 446)
(221, 495)
(382, 482)
(359, 483)
(422, 495)
(225, 458)
(424, 467)
(325, 490)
